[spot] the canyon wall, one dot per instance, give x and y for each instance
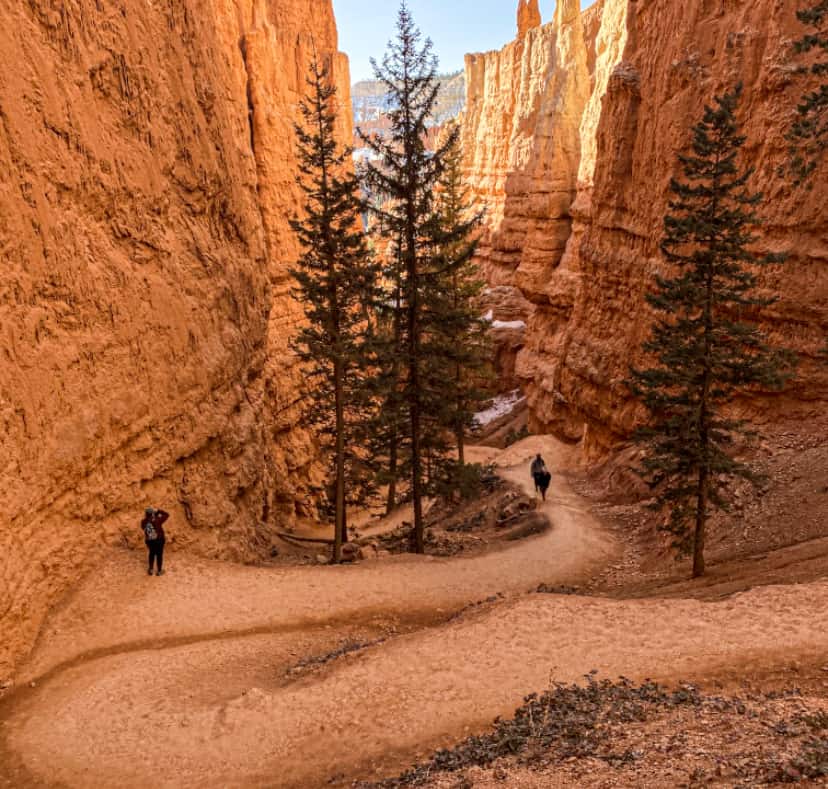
(146, 182)
(522, 144)
(521, 140)
(586, 260)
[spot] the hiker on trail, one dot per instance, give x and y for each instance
(541, 476)
(153, 527)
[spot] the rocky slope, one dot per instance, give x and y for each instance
(146, 182)
(570, 135)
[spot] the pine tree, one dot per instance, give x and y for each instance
(809, 134)
(406, 174)
(705, 350)
(462, 337)
(336, 279)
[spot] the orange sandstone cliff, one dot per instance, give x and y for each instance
(146, 182)
(521, 141)
(570, 138)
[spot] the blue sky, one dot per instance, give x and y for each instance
(455, 27)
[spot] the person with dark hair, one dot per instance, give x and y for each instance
(541, 476)
(153, 527)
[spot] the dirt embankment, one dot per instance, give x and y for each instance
(775, 532)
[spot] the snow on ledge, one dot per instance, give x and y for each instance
(508, 325)
(501, 406)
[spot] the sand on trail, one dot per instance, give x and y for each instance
(217, 702)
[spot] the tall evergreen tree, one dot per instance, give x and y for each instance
(337, 280)
(407, 174)
(704, 349)
(809, 134)
(462, 337)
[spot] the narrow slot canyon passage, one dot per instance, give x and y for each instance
(242, 285)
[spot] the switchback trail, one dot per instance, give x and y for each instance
(119, 607)
(189, 679)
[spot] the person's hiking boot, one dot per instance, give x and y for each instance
(160, 572)
(149, 572)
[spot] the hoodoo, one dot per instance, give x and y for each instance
(147, 179)
(528, 16)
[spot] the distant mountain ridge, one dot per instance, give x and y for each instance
(370, 104)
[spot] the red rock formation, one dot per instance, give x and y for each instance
(522, 142)
(528, 16)
(653, 65)
(146, 182)
(521, 135)
(509, 312)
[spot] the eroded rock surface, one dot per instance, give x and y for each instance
(528, 16)
(146, 183)
(571, 134)
(522, 143)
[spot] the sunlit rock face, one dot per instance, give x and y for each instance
(528, 16)
(572, 147)
(521, 137)
(147, 178)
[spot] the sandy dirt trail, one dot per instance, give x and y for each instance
(211, 694)
(119, 608)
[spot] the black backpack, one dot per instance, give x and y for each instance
(150, 531)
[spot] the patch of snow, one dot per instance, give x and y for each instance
(489, 316)
(501, 406)
(364, 154)
(508, 325)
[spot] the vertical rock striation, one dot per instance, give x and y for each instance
(146, 183)
(548, 337)
(640, 80)
(522, 142)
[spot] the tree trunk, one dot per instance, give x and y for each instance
(416, 480)
(704, 433)
(416, 449)
(460, 433)
(391, 502)
(393, 449)
(414, 383)
(339, 525)
(701, 524)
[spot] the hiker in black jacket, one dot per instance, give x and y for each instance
(541, 476)
(153, 527)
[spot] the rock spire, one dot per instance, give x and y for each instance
(528, 16)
